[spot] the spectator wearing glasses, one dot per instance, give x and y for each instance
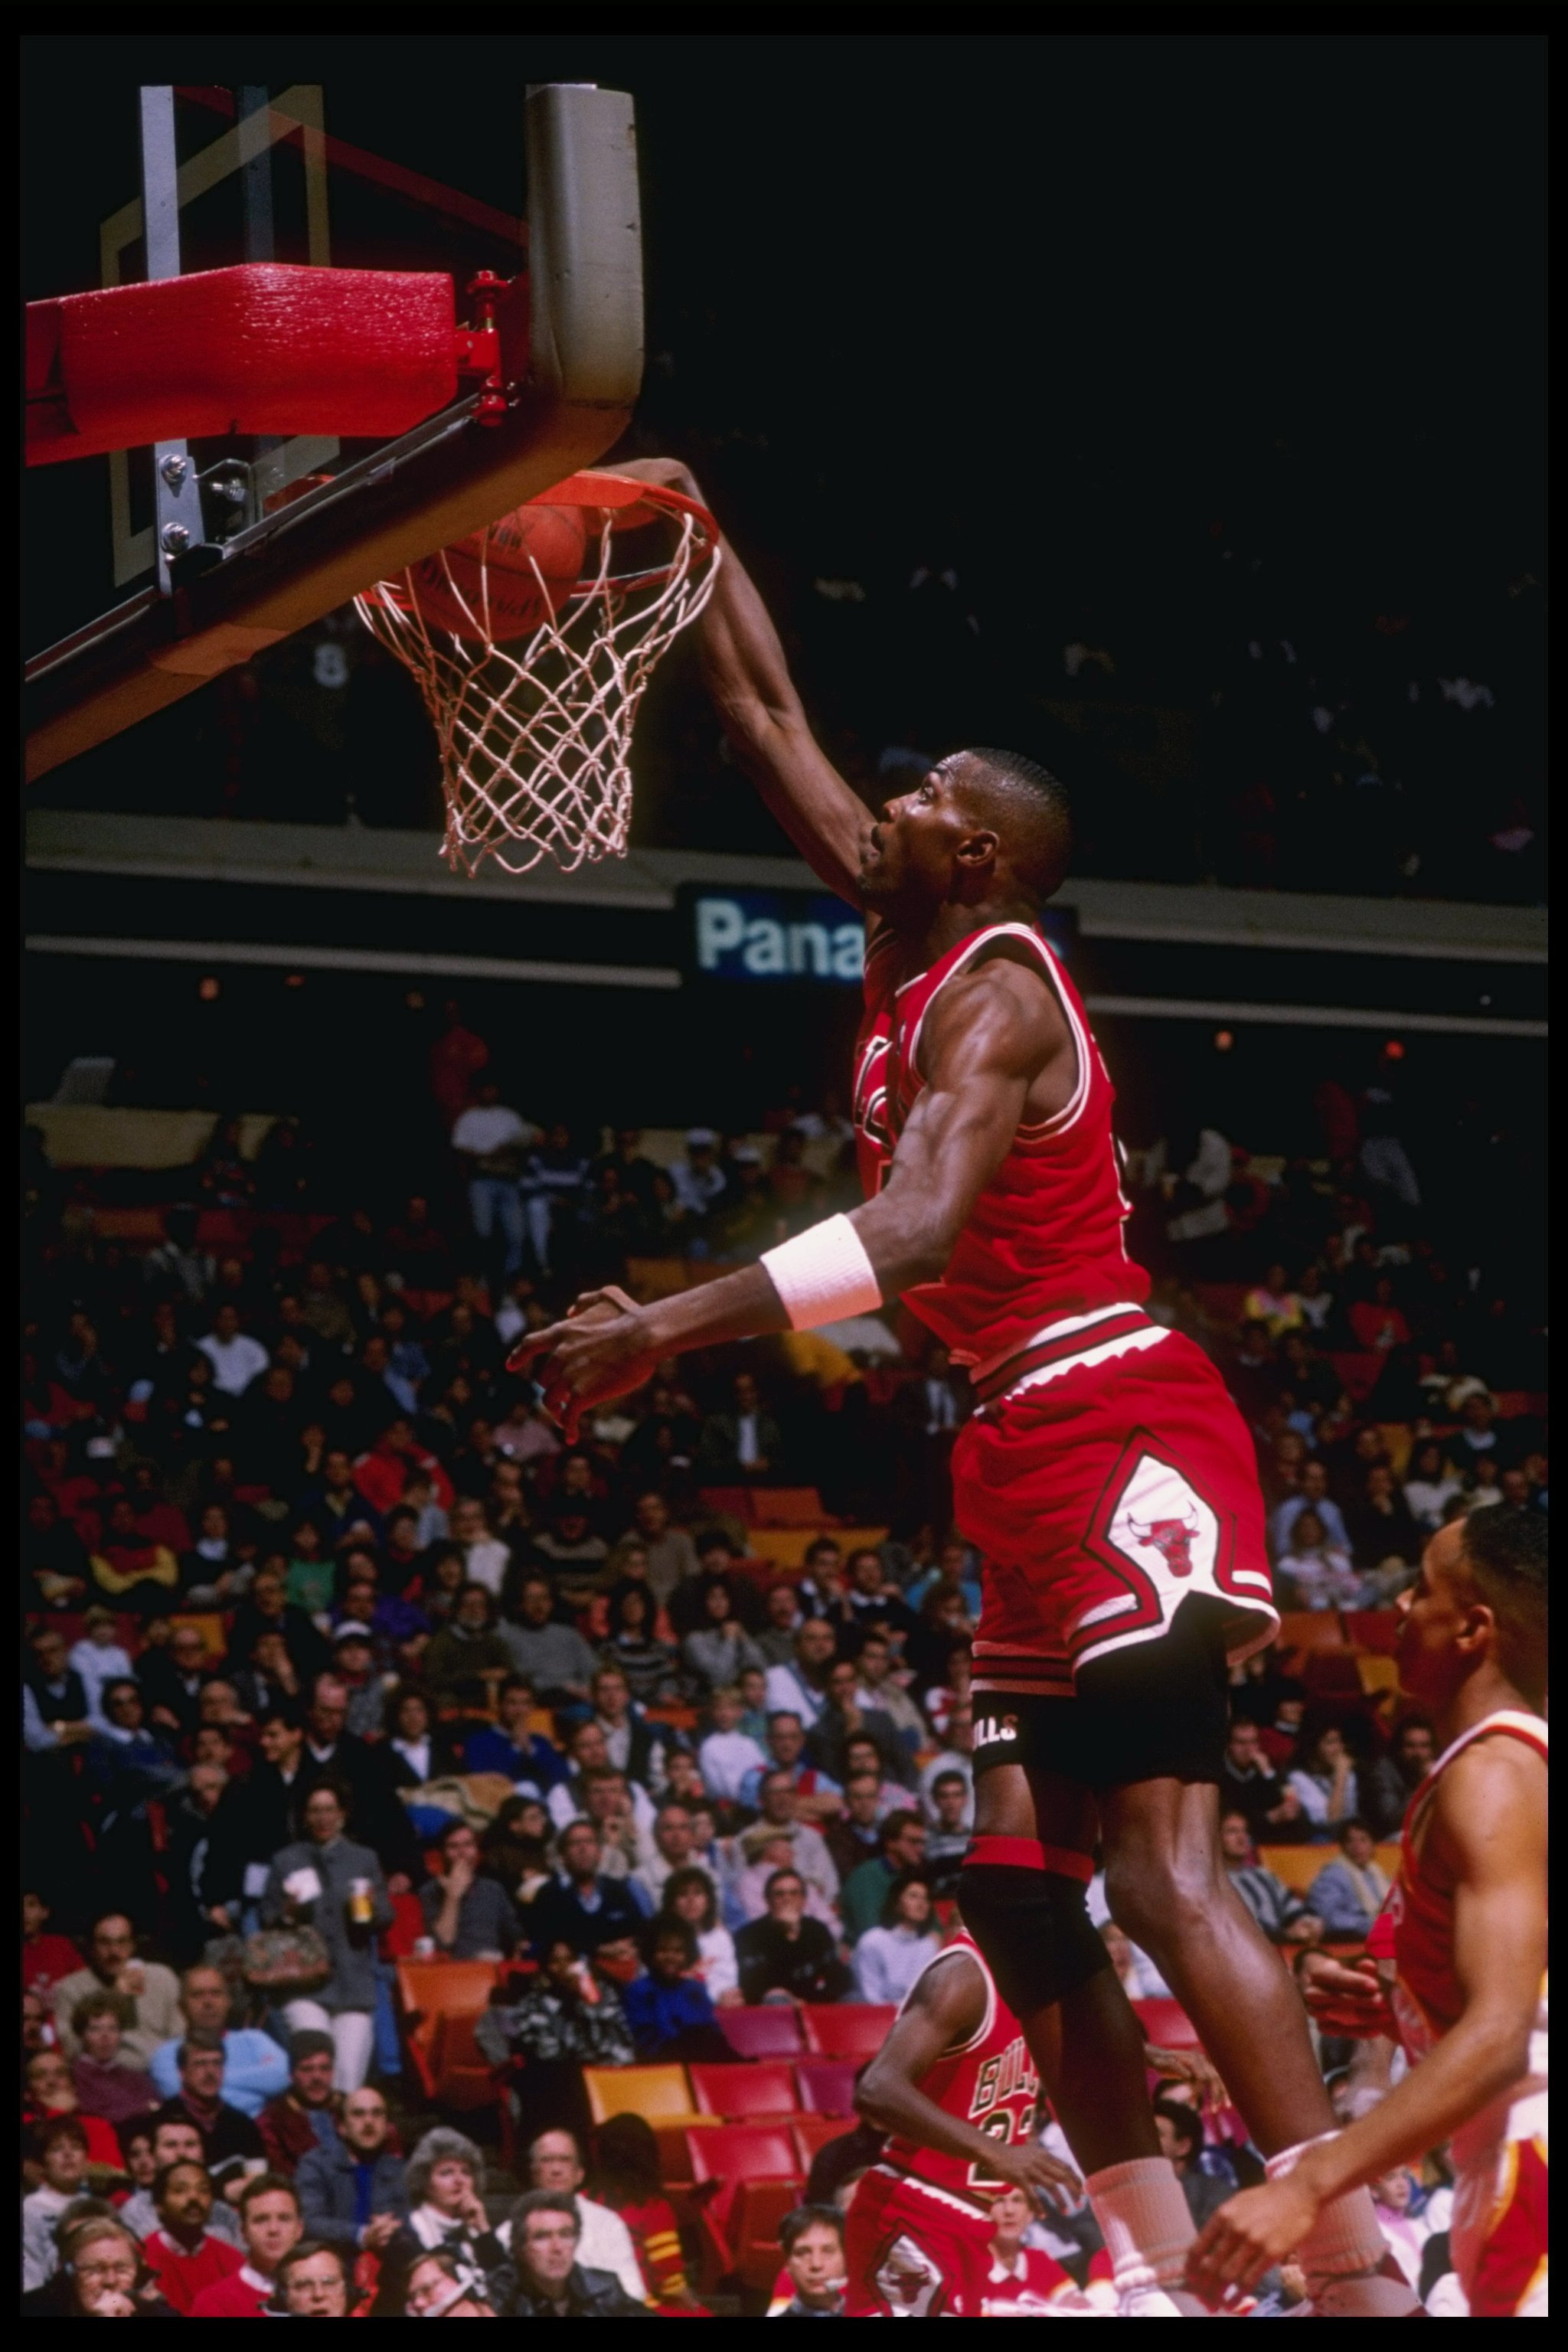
(785, 1953)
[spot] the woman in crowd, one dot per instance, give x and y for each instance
(1323, 1778)
(441, 1579)
(690, 1896)
(1428, 1485)
(651, 1667)
(1314, 1573)
(447, 2210)
(627, 2177)
(721, 1649)
(416, 1749)
(109, 2079)
(889, 1959)
(668, 2007)
(326, 1882)
(1348, 1893)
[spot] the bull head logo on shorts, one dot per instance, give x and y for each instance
(1171, 1538)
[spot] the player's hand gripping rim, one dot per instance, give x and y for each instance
(600, 1350)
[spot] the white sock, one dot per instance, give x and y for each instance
(1144, 2221)
(1344, 2248)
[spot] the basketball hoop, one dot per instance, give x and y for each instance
(532, 652)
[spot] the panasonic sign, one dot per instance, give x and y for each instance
(774, 935)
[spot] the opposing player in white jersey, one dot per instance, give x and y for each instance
(1457, 1961)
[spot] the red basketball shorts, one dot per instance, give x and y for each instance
(1498, 2232)
(1101, 1499)
(913, 2251)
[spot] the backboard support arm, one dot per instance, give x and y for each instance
(178, 499)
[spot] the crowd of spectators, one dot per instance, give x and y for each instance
(335, 1652)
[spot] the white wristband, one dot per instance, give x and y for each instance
(823, 1274)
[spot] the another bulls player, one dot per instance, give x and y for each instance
(955, 2086)
(1464, 1928)
(1106, 1476)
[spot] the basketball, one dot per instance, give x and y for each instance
(487, 585)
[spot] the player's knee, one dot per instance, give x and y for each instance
(1034, 1929)
(1160, 1898)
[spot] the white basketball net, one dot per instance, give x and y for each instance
(536, 735)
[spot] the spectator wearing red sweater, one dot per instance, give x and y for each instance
(381, 1472)
(181, 2252)
(46, 1958)
(1378, 1322)
(626, 2179)
(269, 2219)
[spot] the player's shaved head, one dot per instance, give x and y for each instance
(1504, 1554)
(1029, 807)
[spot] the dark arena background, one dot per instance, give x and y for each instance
(1168, 409)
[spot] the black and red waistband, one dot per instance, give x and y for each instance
(1072, 1339)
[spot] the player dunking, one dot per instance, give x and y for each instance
(1464, 1928)
(1106, 1477)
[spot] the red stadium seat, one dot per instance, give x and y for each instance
(734, 2152)
(787, 1507)
(772, 2029)
(754, 2220)
(461, 2075)
(827, 2086)
(812, 2131)
(1332, 1675)
(432, 1994)
(1167, 2024)
(728, 1503)
(738, 2157)
(1377, 1629)
(742, 2093)
(851, 2030)
(1310, 1629)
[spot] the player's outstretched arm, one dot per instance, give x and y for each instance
(1489, 1830)
(943, 2012)
(990, 1037)
(748, 677)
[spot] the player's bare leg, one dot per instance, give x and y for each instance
(1169, 1891)
(1082, 2032)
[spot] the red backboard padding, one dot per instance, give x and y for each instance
(266, 347)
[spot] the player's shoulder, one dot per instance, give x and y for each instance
(1006, 986)
(1495, 1785)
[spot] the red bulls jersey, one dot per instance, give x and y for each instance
(1415, 1927)
(1042, 1259)
(988, 2081)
